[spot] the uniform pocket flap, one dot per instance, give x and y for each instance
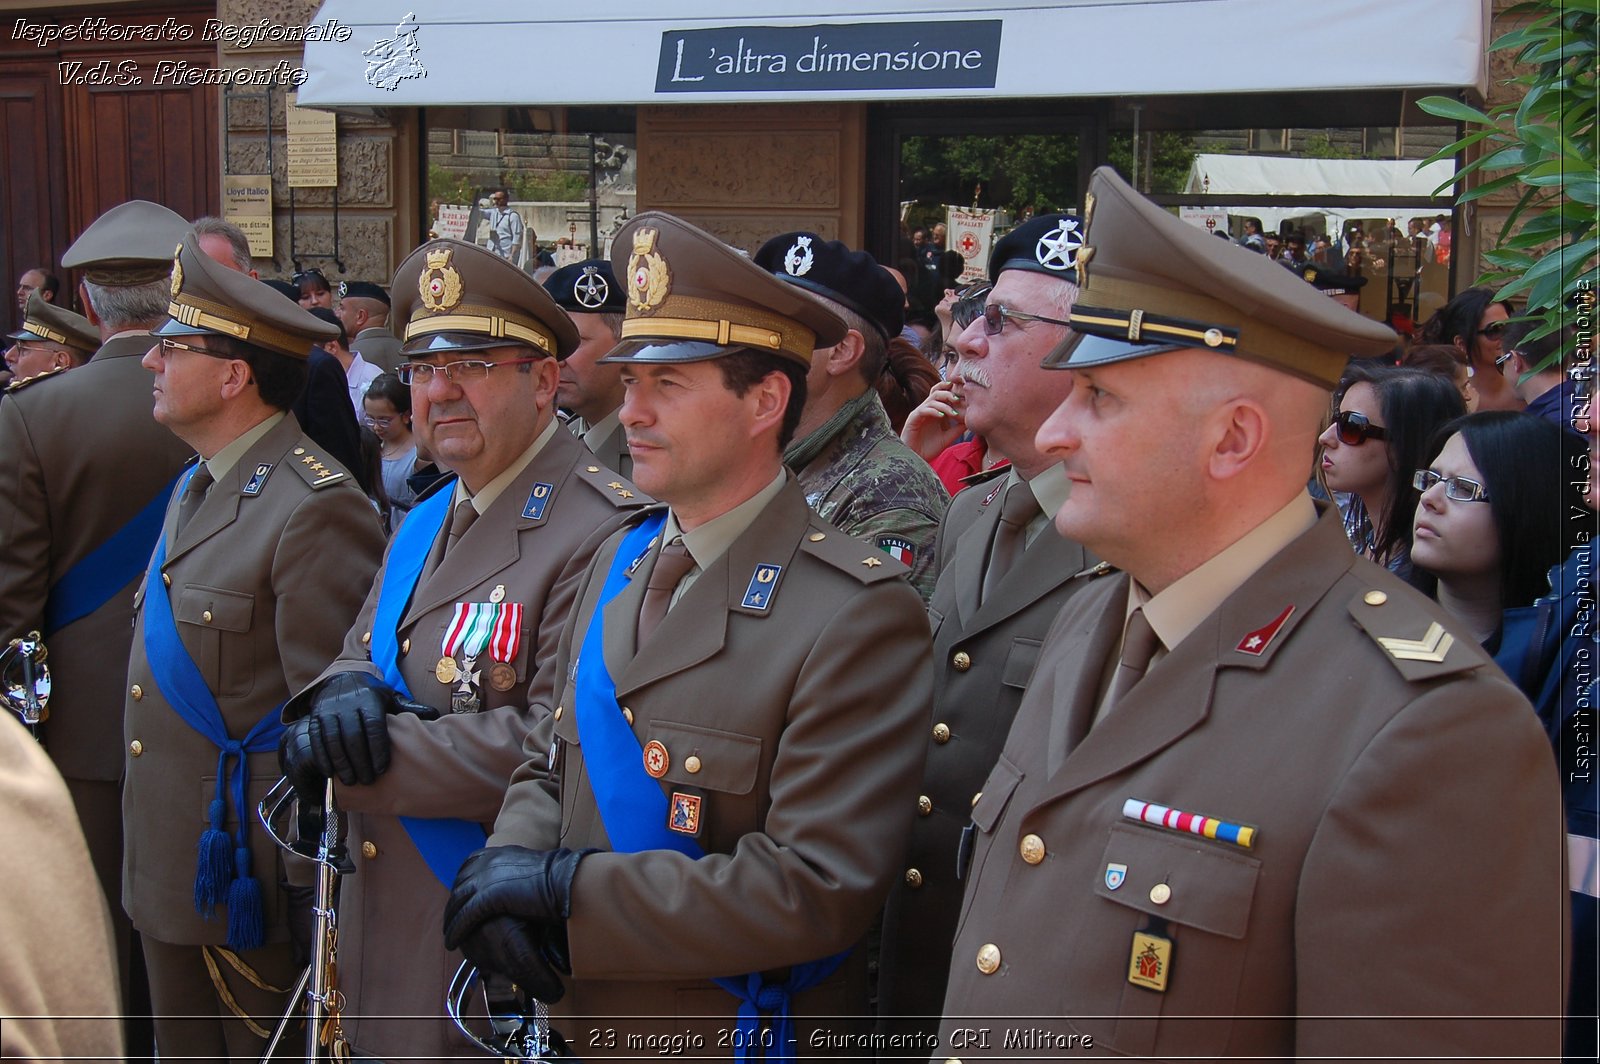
(1003, 780)
(212, 607)
(1021, 659)
(935, 619)
(1203, 885)
(708, 759)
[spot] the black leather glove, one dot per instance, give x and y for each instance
(302, 919)
(299, 765)
(534, 886)
(347, 727)
(511, 947)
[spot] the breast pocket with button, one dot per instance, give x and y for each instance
(211, 622)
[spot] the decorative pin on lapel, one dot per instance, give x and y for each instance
(258, 480)
(758, 596)
(1255, 643)
(538, 498)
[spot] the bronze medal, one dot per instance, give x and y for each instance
(446, 671)
(502, 677)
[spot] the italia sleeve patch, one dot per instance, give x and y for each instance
(897, 547)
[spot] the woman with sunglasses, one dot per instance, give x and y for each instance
(1499, 505)
(1474, 322)
(1386, 419)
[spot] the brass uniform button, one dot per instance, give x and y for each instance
(136, 748)
(366, 639)
(299, 450)
(166, 579)
(137, 692)
(924, 805)
(560, 710)
(369, 850)
(206, 616)
(691, 764)
(913, 878)
(627, 715)
(1375, 598)
(594, 469)
(1160, 894)
(1032, 849)
(988, 958)
(941, 733)
(405, 646)
(818, 537)
(961, 660)
(975, 798)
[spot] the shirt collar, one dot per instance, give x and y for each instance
(711, 540)
(492, 490)
(225, 459)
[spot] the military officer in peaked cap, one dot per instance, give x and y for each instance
(852, 466)
(264, 554)
(1261, 798)
(590, 389)
(79, 527)
(741, 684)
(460, 626)
(1003, 575)
(51, 340)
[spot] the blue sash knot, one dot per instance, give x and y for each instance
(634, 808)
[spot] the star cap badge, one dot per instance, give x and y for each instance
(591, 290)
(1057, 249)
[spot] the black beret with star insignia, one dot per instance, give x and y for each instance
(1046, 243)
(363, 290)
(587, 287)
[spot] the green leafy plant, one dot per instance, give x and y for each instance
(1545, 145)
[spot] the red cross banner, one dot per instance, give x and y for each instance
(970, 233)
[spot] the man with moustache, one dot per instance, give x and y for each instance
(1261, 798)
(1003, 575)
(265, 552)
(734, 759)
(421, 719)
(86, 477)
(590, 389)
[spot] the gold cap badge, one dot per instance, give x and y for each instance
(649, 278)
(440, 284)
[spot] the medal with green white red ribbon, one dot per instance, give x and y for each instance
(474, 627)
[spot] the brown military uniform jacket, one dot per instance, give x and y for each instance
(392, 960)
(80, 455)
(983, 657)
(58, 971)
(1407, 859)
(379, 346)
(263, 587)
(794, 726)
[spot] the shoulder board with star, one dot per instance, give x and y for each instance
(860, 559)
(313, 468)
(22, 382)
(1412, 637)
(612, 485)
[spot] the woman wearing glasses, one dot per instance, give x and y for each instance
(1380, 436)
(1500, 504)
(1475, 323)
(388, 415)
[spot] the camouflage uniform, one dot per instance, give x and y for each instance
(858, 475)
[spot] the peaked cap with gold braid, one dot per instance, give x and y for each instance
(208, 299)
(691, 297)
(45, 322)
(450, 295)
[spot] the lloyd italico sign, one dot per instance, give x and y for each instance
(872, 55)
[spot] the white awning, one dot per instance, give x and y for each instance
(1271, 176)
(386, 53)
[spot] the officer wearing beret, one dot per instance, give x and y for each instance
(1003, 576)
(364, 309)
(79, 528)
(734, 740)
(852, 466)
(265, 552)
(1342, 288)
(1261, 798)
(591, 390)
(51, 340)
(459, 629)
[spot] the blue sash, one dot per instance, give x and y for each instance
(106, 570)
(217, 879)
(634, 808)
(444, 843)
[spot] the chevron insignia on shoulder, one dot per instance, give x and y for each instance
(1433, 646)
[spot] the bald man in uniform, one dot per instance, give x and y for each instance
(1003, 575)
(266, 550)
(741, 683)
(461, 624)
(1261, 798)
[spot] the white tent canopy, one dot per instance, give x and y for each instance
(1269, 175)
(401, 53)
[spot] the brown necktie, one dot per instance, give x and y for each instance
(194, 493)
(1138, 647)
(671, 567)
(1016, 510)
(460, 520)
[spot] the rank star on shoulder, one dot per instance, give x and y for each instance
(1253, 642)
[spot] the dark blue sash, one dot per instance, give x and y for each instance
(444, 843)
(634, 808)
(106, 570)
(216, 879)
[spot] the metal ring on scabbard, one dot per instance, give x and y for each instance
(25, 679)
(517, 1035)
